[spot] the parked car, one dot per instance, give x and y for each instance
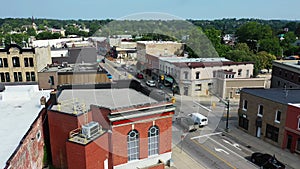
(266, 161)
(109, 76)
(139, 76)
(151, 83)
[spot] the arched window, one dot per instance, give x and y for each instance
(153, 140)
(133, 145)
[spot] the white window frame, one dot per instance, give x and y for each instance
(277, 115)
(133, 148)
(153, 141)
(258, 110)
(298, 123)
(245, 109)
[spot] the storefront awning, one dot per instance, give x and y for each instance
(169, 79)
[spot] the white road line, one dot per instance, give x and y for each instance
(221, 150)
(237, 146)
(227, 149)
(206, 135)
(202, 106)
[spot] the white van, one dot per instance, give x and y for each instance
(199, 119)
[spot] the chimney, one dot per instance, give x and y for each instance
(43, 100)
(53, 97)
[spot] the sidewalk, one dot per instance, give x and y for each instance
(182, 160)
(258, 145)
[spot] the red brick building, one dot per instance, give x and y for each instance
(292, 128)
(22, 127)
(127, 127)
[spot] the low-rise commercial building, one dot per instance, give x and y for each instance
(115, 125)
(22, 125)
(205, 76)
(270, 123)
(292, 129)
(18, 65)
(58, 74)
(285, 73)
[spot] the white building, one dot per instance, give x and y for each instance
(201, 76)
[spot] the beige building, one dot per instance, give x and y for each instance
(156, 48)
(205, 76)
(18, 65)
(43, 57)
(53, 75)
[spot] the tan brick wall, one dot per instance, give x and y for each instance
(270, 108)
(15, 52)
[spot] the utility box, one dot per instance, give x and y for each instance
(91, 129)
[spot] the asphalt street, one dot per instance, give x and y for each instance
(211, 146)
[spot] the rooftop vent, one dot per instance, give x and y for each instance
(91, 129)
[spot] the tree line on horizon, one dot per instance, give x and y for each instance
(258, 41)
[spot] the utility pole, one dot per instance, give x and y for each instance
(227, 115)
(227, 104)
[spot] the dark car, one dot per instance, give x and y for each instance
(266, 161)
(139, 76)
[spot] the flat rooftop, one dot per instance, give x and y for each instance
(276, 94)
(20, 106)
(291, 63)
(158, 42)
(184, 60)
(86, 67)
(110, 98)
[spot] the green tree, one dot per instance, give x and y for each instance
(264, 60)
(252, 32)
(72, 30)
(270, 45)
(6, 28)
(242, 47)
(31, 32)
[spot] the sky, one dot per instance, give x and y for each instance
(185, 9)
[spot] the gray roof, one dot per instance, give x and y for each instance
(276, 94)
(109, 98)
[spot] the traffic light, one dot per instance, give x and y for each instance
(162, 77)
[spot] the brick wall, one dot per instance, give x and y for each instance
(60, 125)
(30, 152)
(119, 139)
(269, 113)
(90, 156)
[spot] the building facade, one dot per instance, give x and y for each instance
(132, 133)
(22, 126)
(261, 120)
(292, 129)
(156, 48)
(18, 65)
(55, 74)
(285, 73)
(205, 76)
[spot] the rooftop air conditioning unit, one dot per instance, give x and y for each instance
(91, 129)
